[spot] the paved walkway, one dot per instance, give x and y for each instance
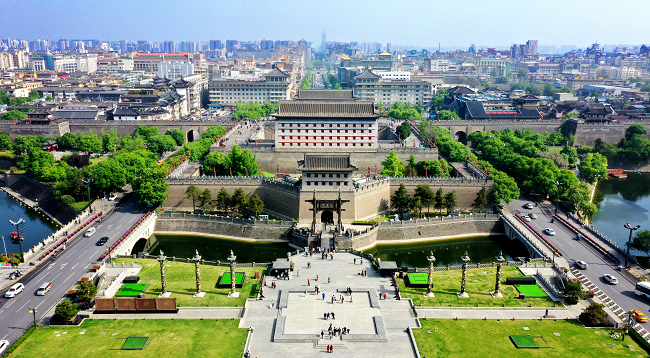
(304, 312)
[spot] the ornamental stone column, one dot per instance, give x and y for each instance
(431, 259)
(232, 259)
(197, 270)
(462, 293)
(163, 279)
(497, 285)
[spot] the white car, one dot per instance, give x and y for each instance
(4, 344)
(528, 205)
(112, 197)
(549, 231)
(581, 264)
(90, 232)
(526, 218)
(612, 280)
(532, 216)
(14, 290)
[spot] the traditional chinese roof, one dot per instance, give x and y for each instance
(326, 109)
(325, 95)
(367, 75)
(315, 162)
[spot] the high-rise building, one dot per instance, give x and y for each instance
(267, 44)
(169, 47)
(323, 43)
(216, 45)
(532, 47)
(230, 44)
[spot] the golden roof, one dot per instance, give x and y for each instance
(385, 53)
(345, 57)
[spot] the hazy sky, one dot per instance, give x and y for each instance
(421, 23)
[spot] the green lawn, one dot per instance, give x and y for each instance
(168, 338)
(79, 205)
(181, 281)
(94, 161)
(451, 338)
(555, 149)
(480, 282)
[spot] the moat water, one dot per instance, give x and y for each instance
(35, 229)
(481, 249)
(622, 201)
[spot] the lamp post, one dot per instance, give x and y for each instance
(232, 259)
(431, 259)
(19, 239)
(197, 270)
(463, 283)
(33, 311)
(557, 196)
(87, 182)
(631, 228)
(497, 285)
(161, 258)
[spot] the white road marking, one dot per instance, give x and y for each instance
(72, 268)
(21, 307)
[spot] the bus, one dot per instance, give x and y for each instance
(642, 289)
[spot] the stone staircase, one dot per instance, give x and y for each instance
(335, 342)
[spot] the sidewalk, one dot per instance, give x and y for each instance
(183, 313)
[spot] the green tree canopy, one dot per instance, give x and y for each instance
(86, 291)
(404, 130)
(194, 193)
(66, 310)
(239, 200)
(593, 166)
(13, 115)
(254, 206)
(400, 200)
(393, 165)
(223, 200)
(641, 242)
(177, 134)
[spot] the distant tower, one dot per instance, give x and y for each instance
(532, 47)
(323, 42)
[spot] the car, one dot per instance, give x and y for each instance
(612, 280)
(532, 216)
(4, 344)
(526, 218)
(90, 232)
(14, 290)
(112, 197)
(549, 231)
(102, 241)
(639, 316)
(581, 264)
(528, 205)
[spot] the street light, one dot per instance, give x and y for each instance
(33, 311)
(87, 182)
(19, 238)
(557, 197)
(629, 227)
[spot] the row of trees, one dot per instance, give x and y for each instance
(516, 152)
(333, 82)
(406, 111)
(253, 111)
(424, 197)
(394, 167)
(13, 115)
(238, 202)
(634, 147)
(237, 162)
(16, 101)
(306, 82)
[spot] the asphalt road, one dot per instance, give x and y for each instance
(80, 255)
(598, 265)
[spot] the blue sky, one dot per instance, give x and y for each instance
(414, 22)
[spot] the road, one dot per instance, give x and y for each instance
(80, 255)
(598, 265)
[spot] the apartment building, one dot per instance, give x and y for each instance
(274, 87)
(372, 87)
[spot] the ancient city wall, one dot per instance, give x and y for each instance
(439, 228)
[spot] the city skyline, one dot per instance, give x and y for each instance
(477, 22)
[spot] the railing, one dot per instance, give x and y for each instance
(125, 238)
(227, 219)
(597, 233)
(441, 219)
(144, 255)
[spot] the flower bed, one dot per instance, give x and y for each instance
(589, 240)
(65, 239)
(553, 248)
(128, 232)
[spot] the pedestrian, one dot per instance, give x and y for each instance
(384, 296)
(380, 295)
(328, 280)
(317, 277)
(332, 299)
(328, 317)
(324, 317)
(355, 260)
(342, 299)
(331, 349)
(298, 273)
(322, 333)
(333, 315)
(362, 261)
(308, 282)
(323, 296)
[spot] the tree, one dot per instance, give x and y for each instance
(523, 73)
(89, 143)
(107, 175)
(146, 132)
(161, 143)
(424, 192)
(192, 192)
(415, 204)
(86, 291)
(67, 141)
(151, 187)
(5, 142)
(593, 166)
(641, 242)
(450, 201)
(481, 198)
(593, 315)
(78, 161)
(206, 200)
(66, 310)
(400, 199)
(223, 200)
(573, 291)
(238, 200)
(177, 134)
(254, 206)
(67, 199)
(404, 130)
(439, 199)
(447, 115)
(24, 144)
(13, 115)
(393, 165)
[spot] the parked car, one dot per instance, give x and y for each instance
(549, 231)
(90, 232)
(532, 216)
(102, 241)
(612, 280)
(528, 205)
(639, 316)
(581, 264)
(14, 290)
(112, 197)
